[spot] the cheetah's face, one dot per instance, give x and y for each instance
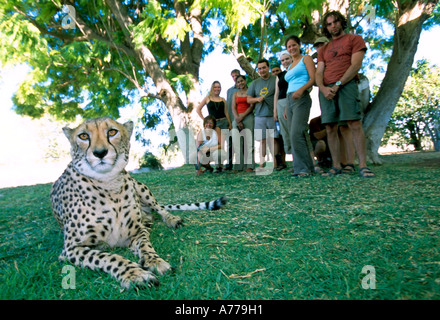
(100, 147)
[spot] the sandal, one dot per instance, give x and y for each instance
(318, 170)
(366, 172)
(301, 174)
(281, 167)
(348, 168)
(332, 172)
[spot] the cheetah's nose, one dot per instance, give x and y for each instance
(100, 153)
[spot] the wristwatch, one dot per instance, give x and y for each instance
(338, 83)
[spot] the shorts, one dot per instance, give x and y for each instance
(264, 126)
(344, 107)
(222, 123)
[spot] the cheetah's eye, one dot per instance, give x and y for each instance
(112, 132)
(83, 136)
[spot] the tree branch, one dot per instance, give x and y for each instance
(121, 15)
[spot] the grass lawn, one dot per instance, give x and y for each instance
(279, 237)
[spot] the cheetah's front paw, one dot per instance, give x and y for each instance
(157, 265)
(173, 221)
(138, 278)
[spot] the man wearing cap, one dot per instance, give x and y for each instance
(318, 44)
(338, 64)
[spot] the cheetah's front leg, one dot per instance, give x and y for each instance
(149, 203)
(127, 272)
(149, 259)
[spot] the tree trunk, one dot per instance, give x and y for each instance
(434, 132)
(237, 52)
(410, 18)
(184, 118)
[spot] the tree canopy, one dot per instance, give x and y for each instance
(417, 114)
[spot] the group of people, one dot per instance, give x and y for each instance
(283, 97)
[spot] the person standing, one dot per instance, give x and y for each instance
(243, 126)
(300, 76)
(261, 93)
(338, 64)
(280, 104)
(234, 74)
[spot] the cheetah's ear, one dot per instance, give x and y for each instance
(68, 132)
(129, 126)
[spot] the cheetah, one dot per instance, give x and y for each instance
(98, 204)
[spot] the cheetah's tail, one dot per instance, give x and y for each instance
(209, 205)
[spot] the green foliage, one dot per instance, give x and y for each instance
(149, 160)
(278, 238)
(68, 77)
(417, 114)
(159, 20)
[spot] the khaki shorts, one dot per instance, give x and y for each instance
(264, 126)
(344, 107)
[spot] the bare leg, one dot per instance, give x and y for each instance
(347, 147)
(333, 144)
(262, 153)
(359, 144)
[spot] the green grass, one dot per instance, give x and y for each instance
(279, 237)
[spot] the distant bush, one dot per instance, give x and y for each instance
(149, 160)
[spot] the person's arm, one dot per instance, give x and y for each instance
(275, 100)
(352, 71)
(219, 138)
(247, 112)
(227, 115)
(252, 100)
(320, 134)
(200, 106)
(234, 106)
(250, 95)
(199, 139)
(310, 66)
(319, 77)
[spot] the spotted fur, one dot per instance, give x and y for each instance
(97, 204)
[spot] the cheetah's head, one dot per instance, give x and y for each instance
(100, 147)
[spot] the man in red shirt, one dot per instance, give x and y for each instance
(337, 71)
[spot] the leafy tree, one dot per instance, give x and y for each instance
(409, 18)
(149, 160)
(90, 58)
(417, 114)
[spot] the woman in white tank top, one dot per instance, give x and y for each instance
(208, 145)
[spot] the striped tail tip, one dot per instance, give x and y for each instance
(218, 204)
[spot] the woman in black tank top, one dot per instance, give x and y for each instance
(216, 105)
(216, 109)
